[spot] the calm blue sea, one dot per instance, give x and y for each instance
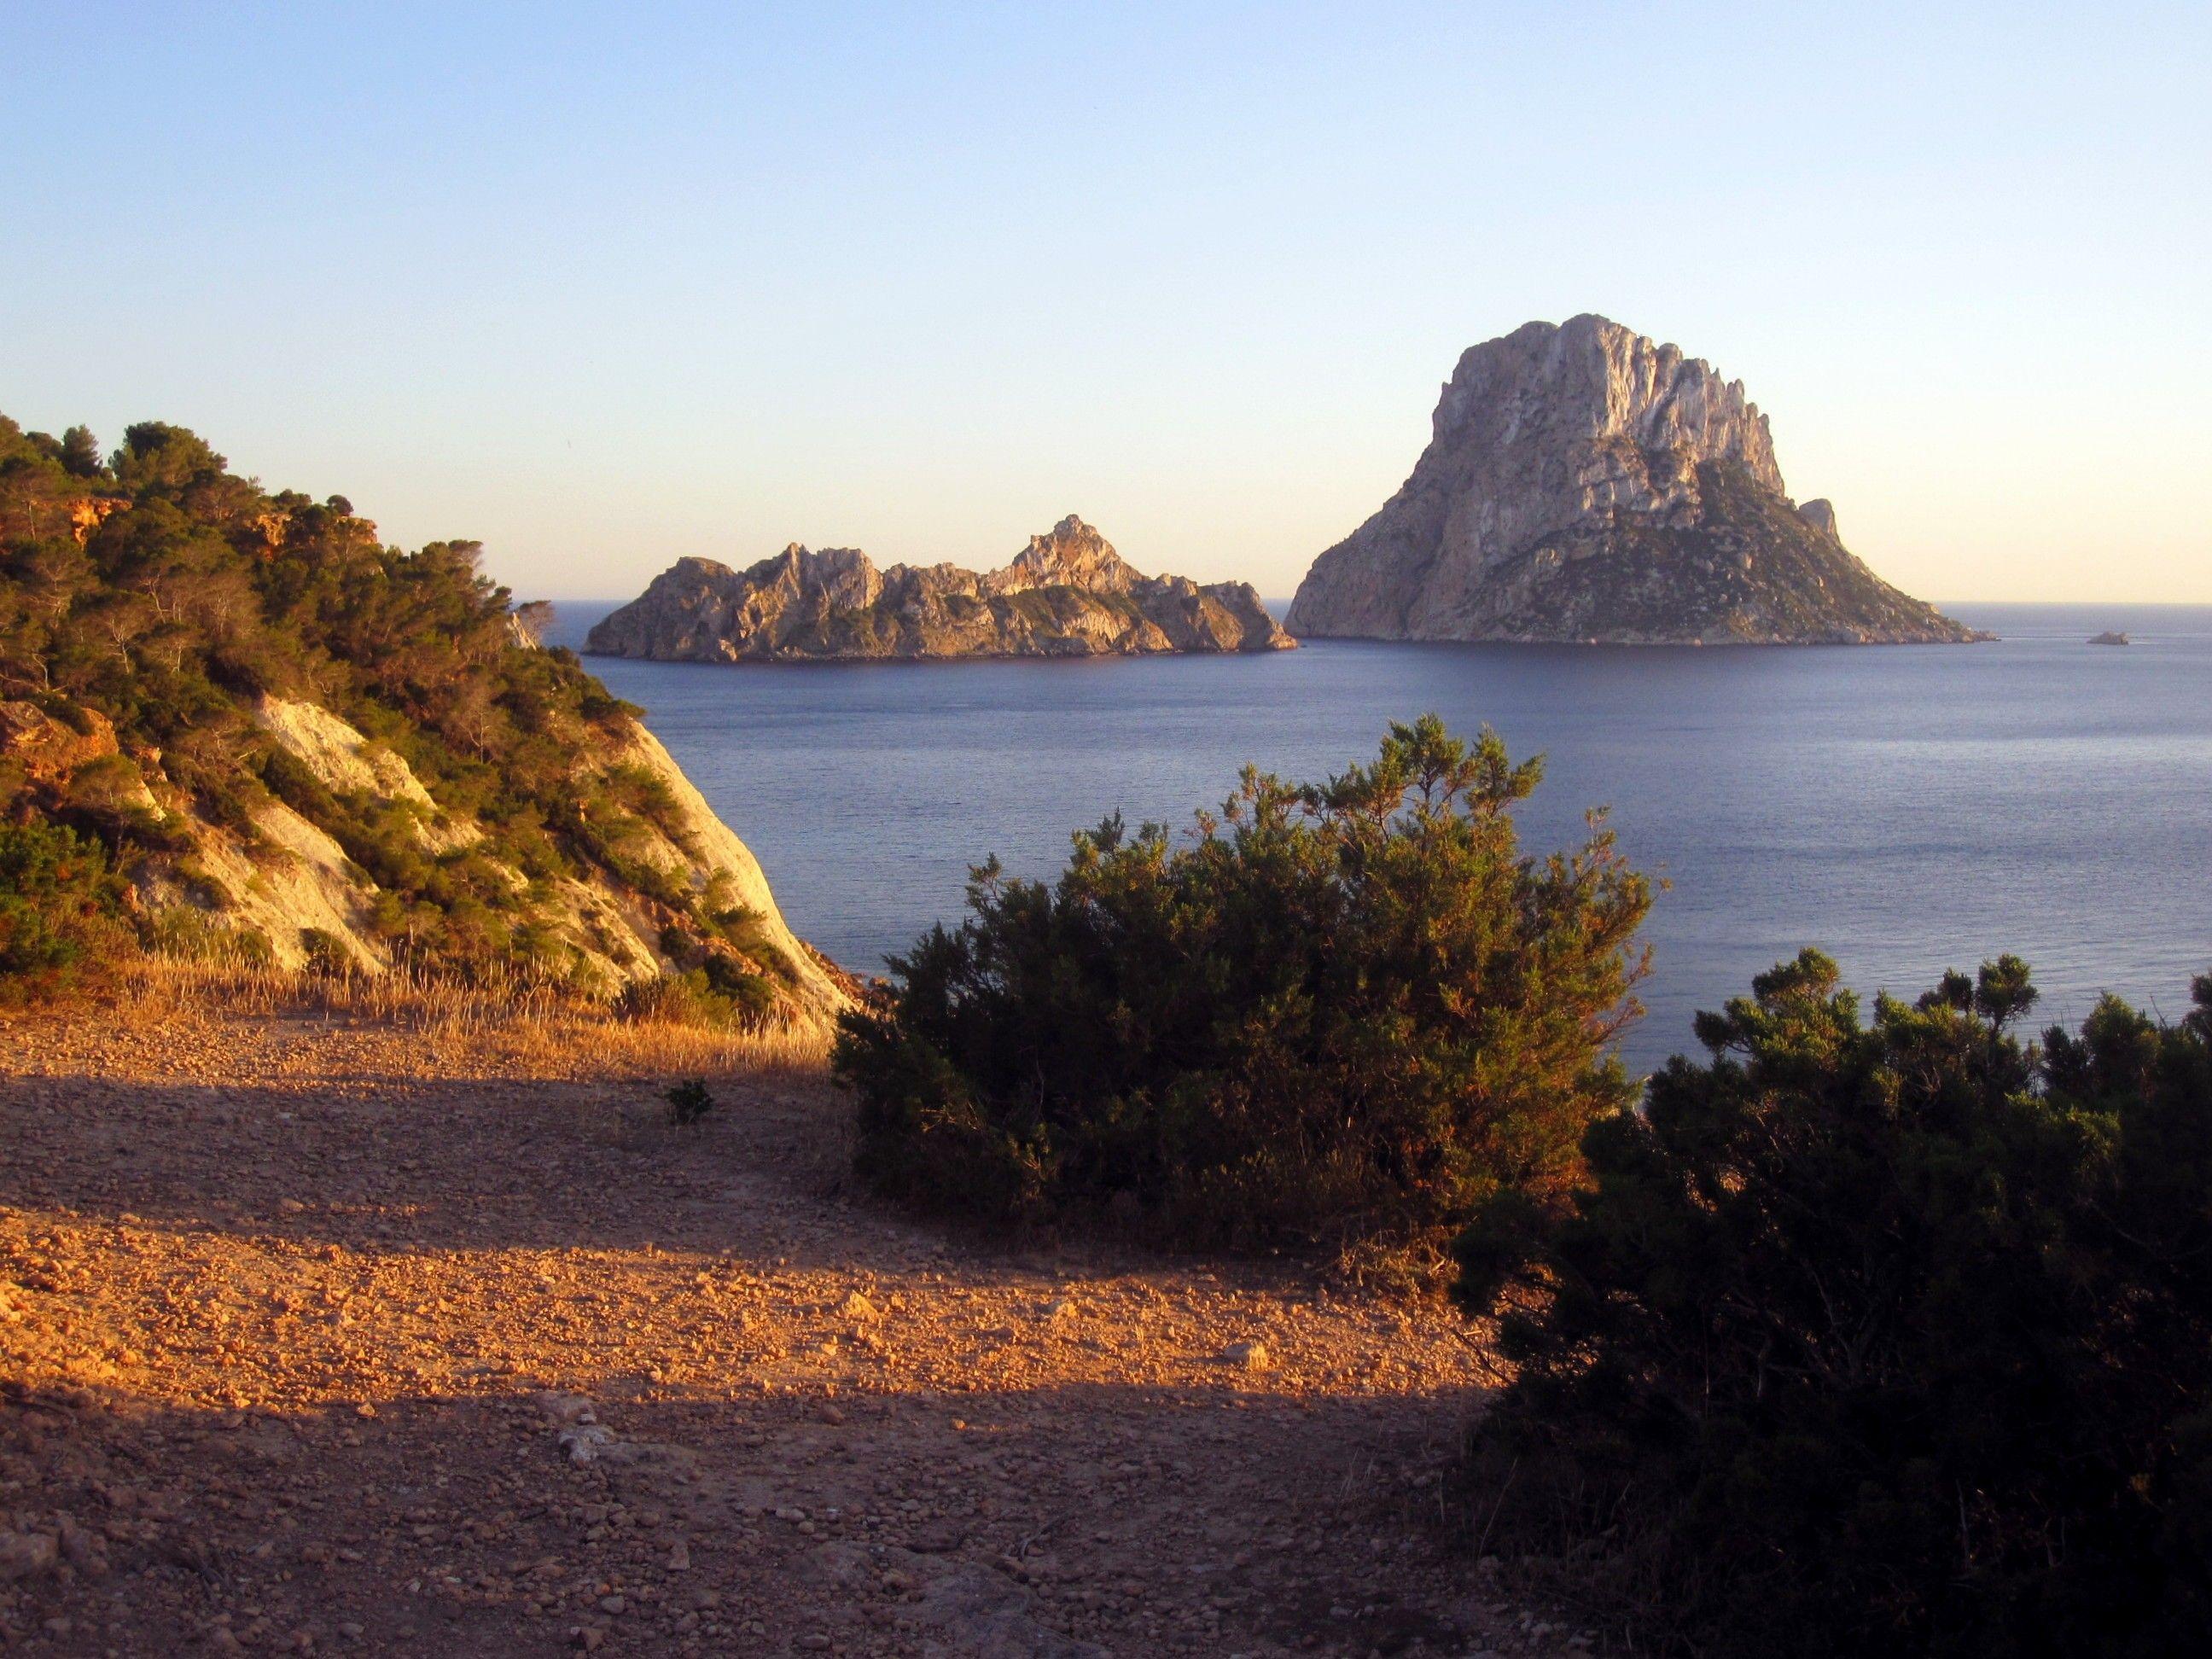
(1905, 809)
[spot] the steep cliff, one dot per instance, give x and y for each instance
(1585, 484)
(1067, 595)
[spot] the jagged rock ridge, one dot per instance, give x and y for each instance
(1067, 595)
(1585, 484)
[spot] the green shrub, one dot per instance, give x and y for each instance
(1886, 1338)
(688, 1103)
(718, 992)
(1347, 1006)
(293, 782)
(61, 910)
(326, 952)
(190, 934)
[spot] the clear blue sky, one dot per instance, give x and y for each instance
(604, 286)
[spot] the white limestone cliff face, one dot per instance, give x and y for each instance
(708, 854)
(1584, 482)
(298, 892)
(1068, 593)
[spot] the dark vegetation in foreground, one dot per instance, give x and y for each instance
(150, 598)
(1885, 1337)
(1345, 1006)
(1856, 1337)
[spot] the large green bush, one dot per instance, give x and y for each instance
(1348, 1005)
(1886, 1338)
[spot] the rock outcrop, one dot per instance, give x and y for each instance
(1067, 595)
(1584, 484)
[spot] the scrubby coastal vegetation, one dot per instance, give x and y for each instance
(1348, 1007)
(1871, 1336)
(1853, 1338)
(233, 724)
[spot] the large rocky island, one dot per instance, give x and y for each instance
(1067, 595)
(1584, 484)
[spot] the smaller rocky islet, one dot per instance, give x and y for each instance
(1068, 593)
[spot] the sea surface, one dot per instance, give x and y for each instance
(1906, 809)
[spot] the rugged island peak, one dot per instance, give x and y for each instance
(1068, 593)
(1073, 553)
(1585, 484)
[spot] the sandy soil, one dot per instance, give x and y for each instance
(317, 1336)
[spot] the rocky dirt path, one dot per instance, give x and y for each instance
(303, 1349)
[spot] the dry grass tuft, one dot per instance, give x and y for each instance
(1417, 1270)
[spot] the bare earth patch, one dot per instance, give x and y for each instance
(318, 1334)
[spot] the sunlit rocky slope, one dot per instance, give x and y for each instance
(1586, 484)
(290, 743)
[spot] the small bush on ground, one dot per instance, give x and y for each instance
(1337, 1007)
(688, 1103)
(1875, 1338)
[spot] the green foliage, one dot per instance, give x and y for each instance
(326, 952)
(1352, 1006)
(716, 993)
(61, 909)
(688, 1103)
(1874, 1338)
(80, 453)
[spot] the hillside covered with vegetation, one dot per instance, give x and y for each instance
(232, 721)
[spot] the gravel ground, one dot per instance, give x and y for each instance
(315, 1335)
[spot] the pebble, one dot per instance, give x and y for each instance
(856, 1306)
(27, 1554)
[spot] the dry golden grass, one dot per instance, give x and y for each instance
(513, 1026)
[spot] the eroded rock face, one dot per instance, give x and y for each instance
(1584, 483)
(1067, 595)
(292, 885)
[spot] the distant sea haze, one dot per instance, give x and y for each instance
(1904, 808)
